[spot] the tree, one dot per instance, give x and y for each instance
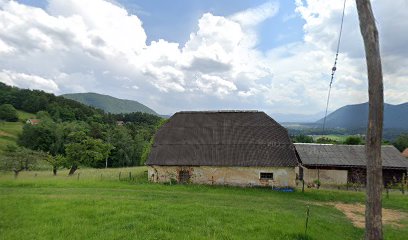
(56, 162)
(17, 159)
(85, 151)
(353, 140)
(46, 137)
(8, 113)
(401, 143)
(369, 33)
(303, 139)
(326, 140)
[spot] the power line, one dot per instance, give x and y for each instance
(334, 66)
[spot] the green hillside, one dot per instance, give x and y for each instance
(109, 104)
(9, 131)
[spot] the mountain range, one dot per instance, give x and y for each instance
(347, 117)
(355, 116)
(109, 104)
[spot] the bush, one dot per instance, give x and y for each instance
(401, 143)
(8, 113)
(353, 140)
(303, 139)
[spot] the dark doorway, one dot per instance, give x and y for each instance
(184, 176)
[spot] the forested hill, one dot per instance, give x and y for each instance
(59, 108)
(67, 133)
(109, 104)
(355, 116)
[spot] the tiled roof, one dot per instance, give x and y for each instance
(346, 155)
(222, 138)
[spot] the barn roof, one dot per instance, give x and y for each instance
(346, 155)
(222, 138)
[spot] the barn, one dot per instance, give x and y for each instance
(341, 164)
(241, 148)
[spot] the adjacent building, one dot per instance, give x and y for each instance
(341, 164)
(243, 148)
(405, 153)
(33, 121)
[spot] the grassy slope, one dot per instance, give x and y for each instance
(9, 130)
(99, 206)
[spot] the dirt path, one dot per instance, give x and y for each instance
(2, 133)
(355, 212)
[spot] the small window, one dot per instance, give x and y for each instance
(266, 176)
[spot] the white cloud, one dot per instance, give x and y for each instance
(255, 16)
(28, 81)
(96, 45)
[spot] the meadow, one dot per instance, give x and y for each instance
(96, 204)
(9, 131)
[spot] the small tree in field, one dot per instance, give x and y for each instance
(56, 162)
(85, 151)
(17, 159)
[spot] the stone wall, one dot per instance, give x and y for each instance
(236, 176)
(325, 176)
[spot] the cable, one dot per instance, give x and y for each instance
(330, 86)
(334, 66)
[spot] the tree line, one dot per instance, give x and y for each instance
(401, 142)
(69, 134)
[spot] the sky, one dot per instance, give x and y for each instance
(273, 56)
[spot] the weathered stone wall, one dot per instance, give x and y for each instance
(325, 176)
(236, 176)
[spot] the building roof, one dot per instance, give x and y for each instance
(33, 121)
(405, 153)
(346, 155)
(222, 138)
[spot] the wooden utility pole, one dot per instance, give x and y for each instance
(369, 32)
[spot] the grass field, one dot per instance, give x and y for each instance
(9, 130)
(8, 133)
(97, 205)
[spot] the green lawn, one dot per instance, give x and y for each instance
(96, 205)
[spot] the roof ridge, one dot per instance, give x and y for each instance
(221, 111)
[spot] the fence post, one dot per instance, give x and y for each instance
(130, 176)
(303, 185)
(403, 184)
(307, 219)
(119, 175)
(78, 176)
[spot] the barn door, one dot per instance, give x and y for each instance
(184, 176)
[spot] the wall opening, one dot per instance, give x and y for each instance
(266, 176)
(184, 176)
